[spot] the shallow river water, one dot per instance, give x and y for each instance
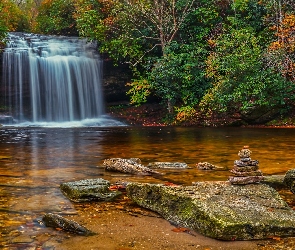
(35, 161)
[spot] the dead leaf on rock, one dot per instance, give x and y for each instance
(277, 238)
(180, 230)
(170, 184)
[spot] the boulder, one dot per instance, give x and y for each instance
(88, 190)
(289, 180)
(131, 166)
(173, 165)
(218, 209)
(57, 221)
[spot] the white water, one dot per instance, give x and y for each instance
(53, 81)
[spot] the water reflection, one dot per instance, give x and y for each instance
(34, 161)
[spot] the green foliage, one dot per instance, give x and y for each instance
(3, 31)
(240, 79)
(11, 17)
(139, 91)
(56, 17)
(184, 113)
(177, 77)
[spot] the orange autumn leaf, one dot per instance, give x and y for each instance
(277, 238)
(180, 230)
(170, 184)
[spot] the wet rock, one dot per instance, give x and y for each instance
(218, 209)
(289, 180)
(6, 119)
(22, 239)
(88, 190)
(57, 221)
(245, 169)
(130, 166)
(205, 166)
(275, 181)
(176, 165)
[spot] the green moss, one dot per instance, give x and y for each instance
(219, 210)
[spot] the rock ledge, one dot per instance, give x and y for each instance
(218, 209)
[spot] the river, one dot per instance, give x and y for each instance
(34, 161)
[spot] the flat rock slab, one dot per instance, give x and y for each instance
(173, 165)
(57, 221)
(131, 166)
(88, 190)
(218, 209)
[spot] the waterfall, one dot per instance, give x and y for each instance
(51, 78)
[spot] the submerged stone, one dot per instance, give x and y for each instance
(176, 165)
(218, 209)
(57, 221)
(131, 166)
(88, 190)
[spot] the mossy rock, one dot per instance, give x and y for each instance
(289, 180)
(218, 209)
(88, 190)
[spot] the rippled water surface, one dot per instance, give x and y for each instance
(35, 161)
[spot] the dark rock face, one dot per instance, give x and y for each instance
(88, 190)
(114, 82)
(218, 209)
(57, 221)
(260, 114)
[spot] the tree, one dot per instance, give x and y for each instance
(56, 17)
(281, 52)
(241, 80)
(11, 17)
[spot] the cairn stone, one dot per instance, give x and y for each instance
(245, 170)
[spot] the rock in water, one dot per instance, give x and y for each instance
(88, 190)
(289, 180)
(57, 221)
(218, 209)
(173, 165)
(130, 166)
(205, 166)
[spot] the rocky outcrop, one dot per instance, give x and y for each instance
(57, 221)
(131, 166)
(88, 190)
(218, 209)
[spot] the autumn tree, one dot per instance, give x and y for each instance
(11, 17)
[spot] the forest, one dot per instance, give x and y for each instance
(209, 57)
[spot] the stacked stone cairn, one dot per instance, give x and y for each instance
(246, 170)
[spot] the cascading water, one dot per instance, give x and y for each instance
(52, 79)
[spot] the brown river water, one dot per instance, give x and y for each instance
(35, 161)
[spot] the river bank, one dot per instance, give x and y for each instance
(154, 114)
